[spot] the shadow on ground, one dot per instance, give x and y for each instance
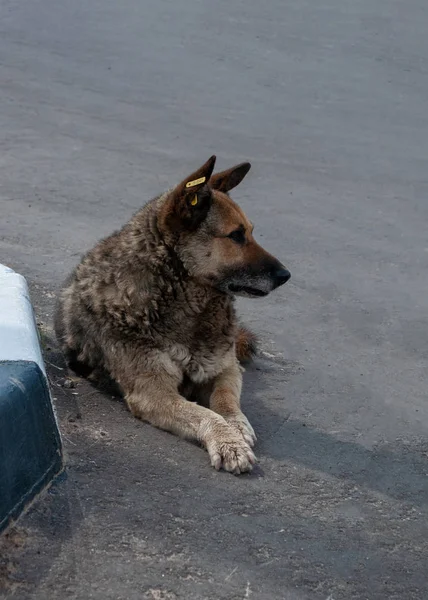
(397, 470)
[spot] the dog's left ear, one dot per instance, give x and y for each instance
(227, 180)
(191, 200)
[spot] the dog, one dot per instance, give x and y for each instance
(152, 308)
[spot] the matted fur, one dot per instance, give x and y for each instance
(152, 308)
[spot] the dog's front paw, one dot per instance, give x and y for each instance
(229, 450)
(241, 423)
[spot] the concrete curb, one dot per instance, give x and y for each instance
(30, 443)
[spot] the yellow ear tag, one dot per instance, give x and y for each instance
(190, 184)
(194, 201)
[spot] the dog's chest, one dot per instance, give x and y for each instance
(206, 344)
(202, 364)
(207, 351)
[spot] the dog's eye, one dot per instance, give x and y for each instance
(237, 236)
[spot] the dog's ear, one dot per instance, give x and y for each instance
(192, 197)
(191, 200)
(194, 182)
(227, 180)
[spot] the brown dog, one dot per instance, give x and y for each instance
(152, 306)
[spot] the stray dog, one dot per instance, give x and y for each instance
(152, 307)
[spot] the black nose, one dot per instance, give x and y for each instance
(281, 277)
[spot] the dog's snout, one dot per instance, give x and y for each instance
(281, 276)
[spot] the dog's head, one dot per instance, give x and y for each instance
(213, 237)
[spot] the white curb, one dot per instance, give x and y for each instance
(19, 339)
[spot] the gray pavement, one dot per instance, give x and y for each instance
(103, 104)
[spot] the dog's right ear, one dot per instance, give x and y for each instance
(190, 202)
(194, 182)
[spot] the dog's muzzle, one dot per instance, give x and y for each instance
(257, 281)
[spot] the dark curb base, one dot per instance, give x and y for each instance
(30, 445)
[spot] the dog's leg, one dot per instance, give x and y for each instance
(225, 401)
(155, 398)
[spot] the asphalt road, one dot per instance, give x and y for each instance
(103, 104)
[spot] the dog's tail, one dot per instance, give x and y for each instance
(246, 344)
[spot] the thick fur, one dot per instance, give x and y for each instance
(152, 308)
